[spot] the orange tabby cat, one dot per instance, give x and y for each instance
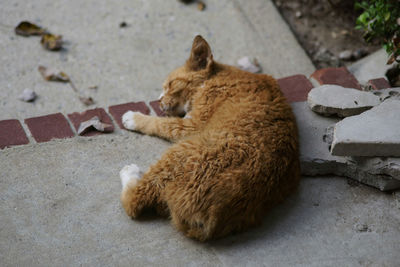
(236, 151)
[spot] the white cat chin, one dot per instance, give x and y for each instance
(130, 175)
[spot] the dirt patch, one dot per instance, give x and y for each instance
(326, 30)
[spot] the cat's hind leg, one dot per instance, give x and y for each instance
(133, 197)
(141, 191)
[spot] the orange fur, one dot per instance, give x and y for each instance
(236, 151)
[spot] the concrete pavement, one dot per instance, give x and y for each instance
(60, 200)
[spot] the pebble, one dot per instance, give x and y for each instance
(27, 95)
(346, 55)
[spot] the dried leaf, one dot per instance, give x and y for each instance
(94, 123)
(391, 59)
(27, 95)
(201, 6)
(25, 28)
(50, 74)
(86, 100)
(51, 41)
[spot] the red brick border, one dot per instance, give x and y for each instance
(295, 88)
(118, 110)
(380, 83)
(339, 76)
(46, 128)
(55, 126)
(12, 134)
(156, 107)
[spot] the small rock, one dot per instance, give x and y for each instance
(298, 14)
(346, 55)
(27, 95)
(247, 65)
(331, 100)
(362, 227)
(123, 24)
(359, 53)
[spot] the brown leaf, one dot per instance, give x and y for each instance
(50, 74)
(25, 28)
(391, 59)
(201, 6)
(86, 100)
(51, 41)
(94, 123)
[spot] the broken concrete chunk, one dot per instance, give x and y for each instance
(27, 95)
(246, 64)
(315, 158)
(331, 100)
(94, 123)
(375, 132)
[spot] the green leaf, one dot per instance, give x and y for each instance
(387, 16)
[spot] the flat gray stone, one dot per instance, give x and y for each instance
(375, 132)
(331, 100)
(381, 173)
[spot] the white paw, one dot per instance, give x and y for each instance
(128, 120)
(130, 174)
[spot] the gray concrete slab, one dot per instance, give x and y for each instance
(371, 67)
(130, 64)
(60, 206)
(375, 132)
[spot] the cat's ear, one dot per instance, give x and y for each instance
(200, 56)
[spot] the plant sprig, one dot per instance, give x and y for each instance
(380, 20)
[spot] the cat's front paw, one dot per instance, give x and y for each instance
(129, 120)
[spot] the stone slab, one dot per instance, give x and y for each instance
(78, 117)
(118, 110)
(339, 76)
(316, 158)
(12, 134)
(375, 132)
(331, 100)
(295, 88)
(49, 127)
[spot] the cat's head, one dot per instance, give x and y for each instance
(180, 85)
